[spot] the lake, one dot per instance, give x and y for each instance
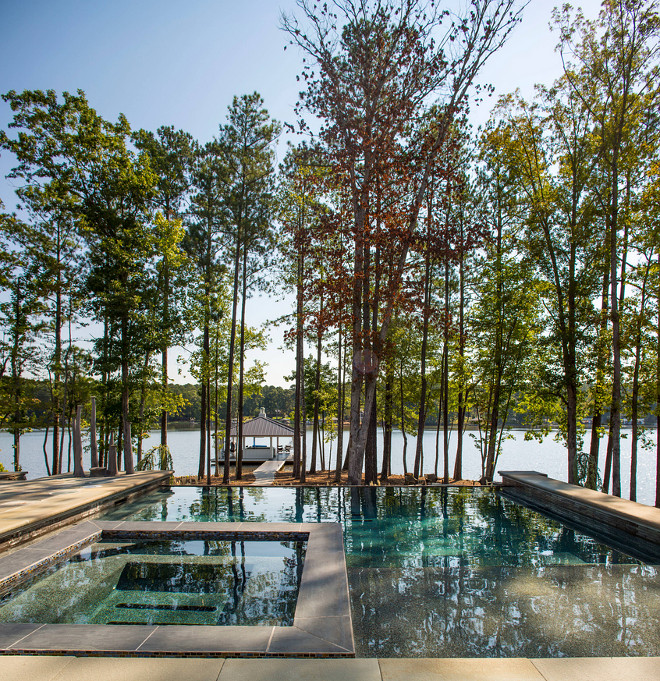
(517, 454)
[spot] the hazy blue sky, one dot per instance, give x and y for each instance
(166, 62)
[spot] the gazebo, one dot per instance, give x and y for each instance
(261, 427)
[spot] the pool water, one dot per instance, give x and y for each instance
(457, 572)
(209, 582)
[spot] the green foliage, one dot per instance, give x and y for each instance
(157, 458)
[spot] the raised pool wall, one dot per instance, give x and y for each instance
(624, 524)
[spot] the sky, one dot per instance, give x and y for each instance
(180, 63)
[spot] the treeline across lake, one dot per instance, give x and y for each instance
(278, 403)
(509, 274)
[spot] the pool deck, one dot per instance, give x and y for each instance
(69, 668)
(31, 508)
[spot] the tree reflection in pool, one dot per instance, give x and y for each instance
(458, 572)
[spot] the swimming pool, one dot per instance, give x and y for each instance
(166, 582)
(456, 572)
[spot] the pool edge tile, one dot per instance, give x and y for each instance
(83, 638)
(336, 630)
(295, 641)
(207, 639)
(12, 632)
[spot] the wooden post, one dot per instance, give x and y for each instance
(112, 456)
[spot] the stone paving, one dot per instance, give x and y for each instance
(32, 507)
(69, 668)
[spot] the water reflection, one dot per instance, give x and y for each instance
(456, 572)
(464, 611)
(210, 582)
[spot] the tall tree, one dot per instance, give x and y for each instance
(19, 313)
(561, 235)
(246, 143)
(373, 66)
(615, 76)
(108, 188)
(171, 153)
(203, 245)
(504, 316)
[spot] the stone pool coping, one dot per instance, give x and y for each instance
(68, 668)
(32, 508)
(626, 524)
(322, 625)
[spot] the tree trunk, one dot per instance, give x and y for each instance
(57, 358)
(657, 397)
(128, 449)
(241, 371)
(570, 370)
(445, 380)
(303, 459)
(297, 453)
(92, 436)
(143, 400)
(317, 386)
(437, 432)
(403, 424)
(105, 381)
(78, 471)
(370, 326)
(215, 410)
(421, 421)
(370, 451)
(125, 394)
(356, 453)
(230, 368)
(635, 388)
(387, 425)
(596, 422)
(322, 441)
(498, 371)
(204, 400)
(208, 421)
(615, 411)
(460, 423)
(166, 340)
(16, 374)
(340, 407)
(607, 472)
(45, 450)
(571, 434)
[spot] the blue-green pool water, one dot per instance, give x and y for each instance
(454, 572)
(200, 582)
